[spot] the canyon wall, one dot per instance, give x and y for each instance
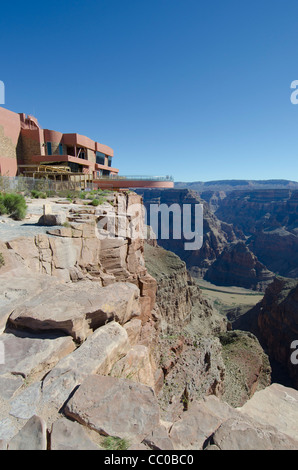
(269, 219)
(223, 258)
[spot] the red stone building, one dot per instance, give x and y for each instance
(26, 148)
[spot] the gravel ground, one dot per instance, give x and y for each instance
(11, 229)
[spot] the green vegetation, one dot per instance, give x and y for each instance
(38, 194)
(115, 443)
(14, 205)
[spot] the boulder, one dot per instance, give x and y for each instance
(78, 309)
(19, 286)
(33, 436)
(275, 406)
(159, 439)
(244, 434)
(197, 424)
(115, 407)
(52, 219)
(136, 366)
(70, 435)
(28, 354)
(95, 356)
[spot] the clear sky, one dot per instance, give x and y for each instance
(196, 89)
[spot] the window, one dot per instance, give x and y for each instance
(49, 148)
(60, 149)
(110, 161)
(100, 158)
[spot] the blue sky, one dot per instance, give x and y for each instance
(199, 90)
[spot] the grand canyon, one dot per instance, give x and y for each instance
(137, 344)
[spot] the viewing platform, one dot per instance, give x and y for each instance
(125, 182)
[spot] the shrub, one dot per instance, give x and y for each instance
(95, 202)
(2, 206)
(2, 262)
(115, 443)
(38, 194)
(14, 205)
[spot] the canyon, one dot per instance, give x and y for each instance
(112, 337)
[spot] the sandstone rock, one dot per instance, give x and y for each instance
(70, 435)
(139, 446)
(18, 286)
(277, 318)
(216, 234)
(95, 356)
(197, 371)
(242, 434)
(25, 405)
(64, 252)
(247, 367)
(159, 439)
(8, 428)
(237, 265)
(77, 309)
(27, 354)
(31, 437)
(133, 328)
(9, 384)
(275, 406)
(26, 248)
(199, 423)
(136, 366)
(3, 445)
(52, 219)
(115, 407)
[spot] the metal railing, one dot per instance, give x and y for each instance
(136, 178)
(26, 184)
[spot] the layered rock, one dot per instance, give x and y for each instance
(247, 367)
(176, 291)
(70, 379)
(277, 317)
(77, 309)
(80, 251)
(216, 234)
(238, 266)
(269, 218)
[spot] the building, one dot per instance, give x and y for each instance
(26, 148)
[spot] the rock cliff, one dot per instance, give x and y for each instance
(269, 219)
(277, 318)
(223, 258)
(238, 266)
(95, 347)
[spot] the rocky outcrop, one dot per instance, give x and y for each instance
(208, 424)
(278, 249)
(224, 258)
(247, 367)
(238, 266)
(99, 404)
(269, 218)
(77, 309)
(277, 318)
(79, 251)
(216, 234)
(177, 293)
(84, 361)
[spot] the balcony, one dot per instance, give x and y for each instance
(139, 181)
(61, 158)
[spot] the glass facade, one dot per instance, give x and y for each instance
(100, 158)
